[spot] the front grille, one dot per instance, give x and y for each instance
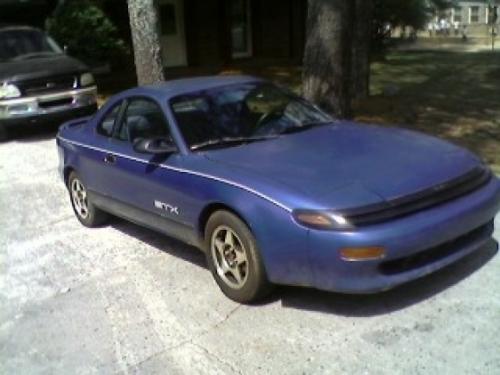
(436, 253)
(47, 85)
(56, 103)
(419, 201)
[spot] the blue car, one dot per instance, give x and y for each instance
(274, 190)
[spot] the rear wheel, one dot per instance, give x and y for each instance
(233, 258)
(85, 211)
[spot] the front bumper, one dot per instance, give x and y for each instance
(416, 245)
(48, 108)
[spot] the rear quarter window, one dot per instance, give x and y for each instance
(105, 127)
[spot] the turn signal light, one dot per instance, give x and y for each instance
(356, 254)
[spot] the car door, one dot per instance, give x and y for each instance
(94, 164)
(146, 188)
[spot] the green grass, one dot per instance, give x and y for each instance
(453, 95)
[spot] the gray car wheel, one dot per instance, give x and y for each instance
(86, 212)
(4, 134)
(234, 259)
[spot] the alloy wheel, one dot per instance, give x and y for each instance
(79, 198)
(230, 257)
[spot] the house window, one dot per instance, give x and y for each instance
(474, 14)
(167, 19)
(241, 43)
(457, 15)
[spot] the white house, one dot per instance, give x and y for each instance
(475, 14)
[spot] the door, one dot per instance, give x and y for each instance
(94, 164)
(173, 36)
(141, 187)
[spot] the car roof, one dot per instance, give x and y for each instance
(169, 89)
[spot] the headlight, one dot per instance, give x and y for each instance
(86, 79)
(9, 91)
(322, 220)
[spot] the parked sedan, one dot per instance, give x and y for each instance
(274, 190)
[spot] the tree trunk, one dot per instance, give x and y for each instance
(145, 28)
(361, 49)
(328, 54)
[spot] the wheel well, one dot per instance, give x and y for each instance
(66, 173)
(209, 210)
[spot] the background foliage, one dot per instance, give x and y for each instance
(88, 33)
(402, 13)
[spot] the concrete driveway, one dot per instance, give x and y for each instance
(122, 299)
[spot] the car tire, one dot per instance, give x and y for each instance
(233, 258)
(4, 134)
(86, 212)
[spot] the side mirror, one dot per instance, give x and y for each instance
(155, 146)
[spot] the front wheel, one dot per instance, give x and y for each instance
(85, 211)
(4, 135)
(234, 259)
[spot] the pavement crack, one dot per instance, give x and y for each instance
(234, 370)
(226, 318)
(137, 364)
(191, 341)
(215, 326)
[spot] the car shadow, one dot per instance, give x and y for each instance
(309, 299)
(32, 133)
(399, 298)
(161, 242)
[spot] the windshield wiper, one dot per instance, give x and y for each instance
(301, 128)
(229, 141)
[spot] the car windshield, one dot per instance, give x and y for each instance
(242, 113)
(26, 43)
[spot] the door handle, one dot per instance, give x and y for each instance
(110, 159)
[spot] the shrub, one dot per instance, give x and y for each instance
(87, 32)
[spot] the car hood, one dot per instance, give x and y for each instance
(346, 165)
(56, 65)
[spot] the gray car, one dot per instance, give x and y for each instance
(39, 83)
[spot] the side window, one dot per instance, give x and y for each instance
(143, 119)
(106, 126)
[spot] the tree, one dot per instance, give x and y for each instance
(362, 30)
(339, 35)
(328, 55)
(145, 28)
(337, 53)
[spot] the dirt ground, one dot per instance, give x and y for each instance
(453, 95)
